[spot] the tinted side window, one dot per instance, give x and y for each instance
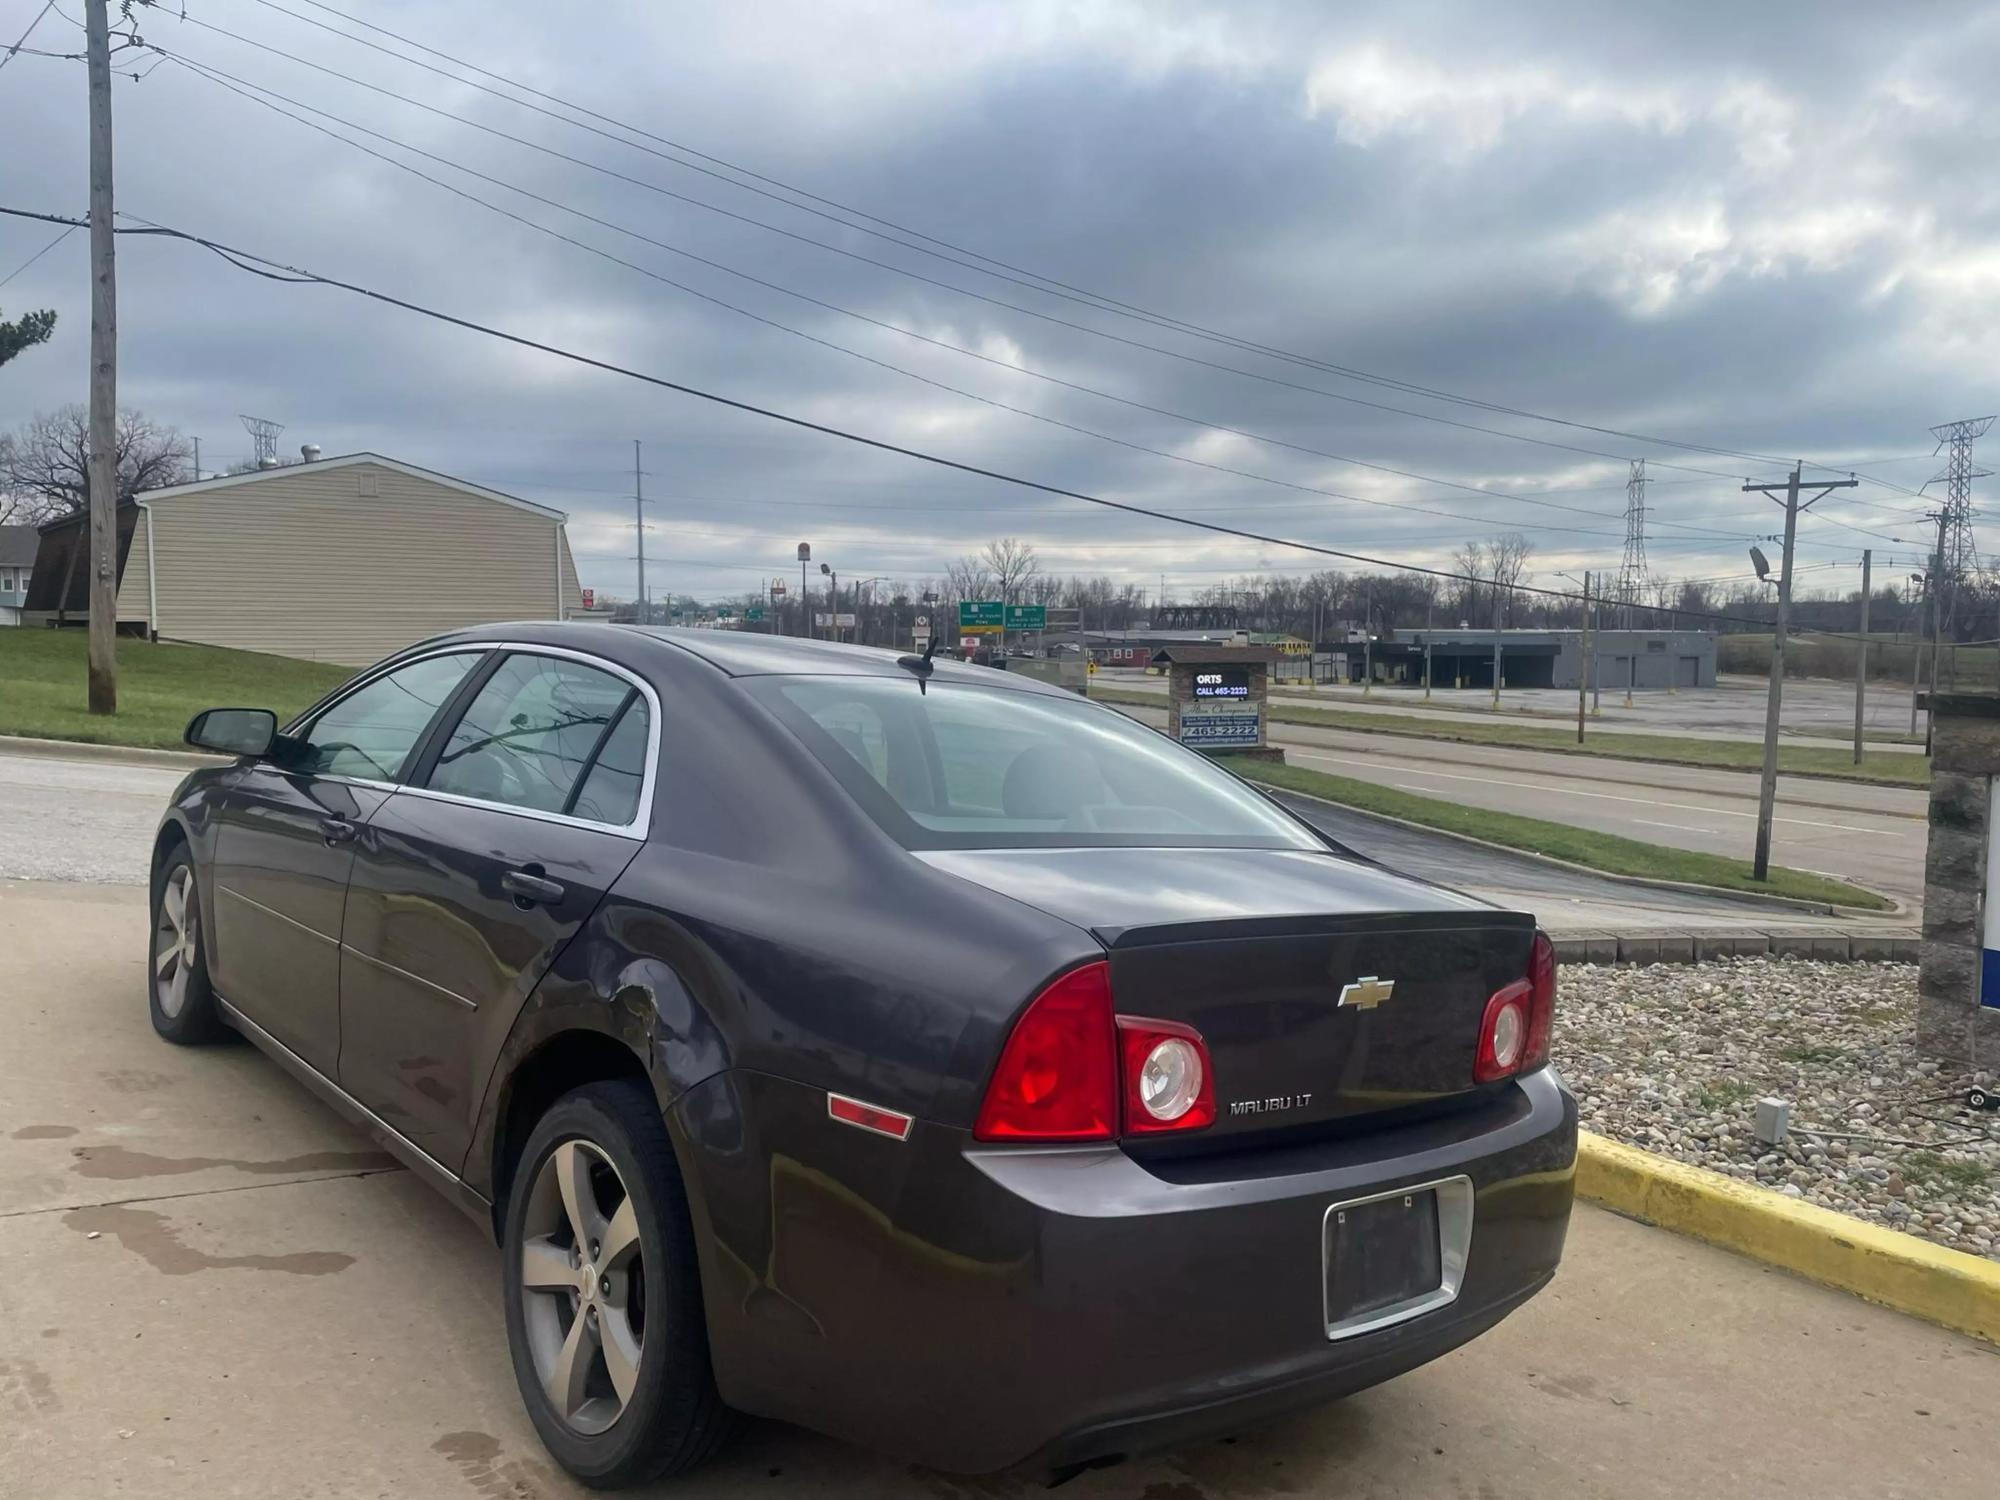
(370, 733)
(526, 735)
(610, 791)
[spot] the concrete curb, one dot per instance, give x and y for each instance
(1697, 946)
(128, 755)
(1946, 1287)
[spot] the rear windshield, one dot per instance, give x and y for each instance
(964, 767)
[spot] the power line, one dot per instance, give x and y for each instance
(1042, 283)
(38, 254)
(255, 93)
(277, 271)
(956, 289)
(9, 57)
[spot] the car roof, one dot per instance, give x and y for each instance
(739, 653)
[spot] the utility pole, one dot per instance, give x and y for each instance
(1595, 616)
(1427, 651)
(1583, 650)
(639, 530)
(1368, 637)
(1767, 792)
(1498, 596)
(103, 459)
(1861, 656)
(1914, 619)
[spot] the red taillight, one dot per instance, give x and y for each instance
(1169, 1084)
(1514, 1032)
(1057, 1079)
(1071, 1071)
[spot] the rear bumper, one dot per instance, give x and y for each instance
(975, 1308)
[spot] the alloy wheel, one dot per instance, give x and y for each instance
(174, 938)
(583, 1286)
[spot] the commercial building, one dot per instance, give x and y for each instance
(340, 559)
(1644, 660)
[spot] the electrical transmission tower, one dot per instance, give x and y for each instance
(1632, 572)
(263, 440)
(1958, 555)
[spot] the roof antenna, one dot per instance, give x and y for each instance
(921, 665)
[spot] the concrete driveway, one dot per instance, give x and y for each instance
(210, 1287)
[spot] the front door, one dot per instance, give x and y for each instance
(285, 843)
(470, 881)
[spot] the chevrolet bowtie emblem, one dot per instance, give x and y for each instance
(1367, 992)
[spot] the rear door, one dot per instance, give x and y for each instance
(285, 843)
(467, 883)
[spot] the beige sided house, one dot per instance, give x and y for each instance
(339, 559)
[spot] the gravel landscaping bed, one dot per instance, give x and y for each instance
(1673, 1059)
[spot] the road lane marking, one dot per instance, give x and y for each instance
(1530, 786)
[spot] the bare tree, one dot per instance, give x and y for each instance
(1012, 563)
(1469, 562)
(1507, 558)
(45, 470)
(968, 578)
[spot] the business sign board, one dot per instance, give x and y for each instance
(980, 614)
(1027, 617)
(1220, 724)
(1213, 683)
(590, 598)
(843, 620)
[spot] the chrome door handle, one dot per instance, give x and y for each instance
(529, 890)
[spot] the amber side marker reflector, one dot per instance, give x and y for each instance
(868, 1117)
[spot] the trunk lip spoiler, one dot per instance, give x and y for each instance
(1313, 924)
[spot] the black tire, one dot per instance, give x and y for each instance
(672, 1418)
(181, 1001)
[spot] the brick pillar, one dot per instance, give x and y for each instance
(1952, 1024)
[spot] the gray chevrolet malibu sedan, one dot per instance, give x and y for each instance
(890, 1046)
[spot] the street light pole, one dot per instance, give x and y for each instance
(1861, 656)
(1583, 643)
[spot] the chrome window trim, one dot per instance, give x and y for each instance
(638, 828)
(1454, 1220)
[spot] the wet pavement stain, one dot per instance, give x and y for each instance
(154, 1239)
(476, 1456)
(25, 1388)
(44, 1132)
(117, 1163)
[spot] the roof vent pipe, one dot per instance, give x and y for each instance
(309, 452)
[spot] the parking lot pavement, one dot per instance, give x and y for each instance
(210, 1286)
(89, 820)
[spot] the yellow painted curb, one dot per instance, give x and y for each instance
(1897, 1270)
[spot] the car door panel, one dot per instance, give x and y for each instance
(283, 849)
(454, 912)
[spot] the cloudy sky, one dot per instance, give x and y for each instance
(1771, 230)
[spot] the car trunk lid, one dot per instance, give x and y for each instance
(1325, 988)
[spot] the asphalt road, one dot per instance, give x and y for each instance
(1875, 835)
(93, 821)
(210, 1287)
(1814, 710)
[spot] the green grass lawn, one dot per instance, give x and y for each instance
(1599, 851)
(159, 687)
(1882, 767)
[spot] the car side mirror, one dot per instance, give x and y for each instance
(233, 731)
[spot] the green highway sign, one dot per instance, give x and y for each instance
(976, 615)
(1027, 617)
(753, 613)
